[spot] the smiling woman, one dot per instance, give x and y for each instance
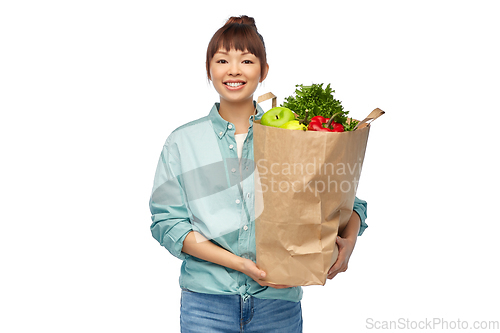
(236, 63)
(211, 225)
(214, 234)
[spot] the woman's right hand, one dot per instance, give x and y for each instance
(250, 268)
(198, 246)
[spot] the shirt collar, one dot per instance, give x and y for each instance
(221, 126)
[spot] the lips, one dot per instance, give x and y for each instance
(234, 85)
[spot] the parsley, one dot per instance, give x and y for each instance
(319, 102)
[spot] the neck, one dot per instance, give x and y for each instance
(237, 113)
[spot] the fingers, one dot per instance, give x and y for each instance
(334, 271)
(272, 285)
(259, 274)
(336, 267)
(340, 242)
(281, 286)
(269, 284)
(253, 271)
(276, 286)
(338, 264)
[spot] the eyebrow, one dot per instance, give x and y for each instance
(223, 52)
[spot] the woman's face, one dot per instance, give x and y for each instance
(235, 75)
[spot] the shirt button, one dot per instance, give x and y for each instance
(233, 170)
(229, 126)
(245, 228)
(237, 201)
(220, 133)
(248, 195)
(231, 146)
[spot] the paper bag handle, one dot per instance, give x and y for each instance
(267, 96)
(371, 117)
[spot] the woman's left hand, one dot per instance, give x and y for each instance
(346, 247)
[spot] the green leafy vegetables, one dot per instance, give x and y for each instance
(318, 102)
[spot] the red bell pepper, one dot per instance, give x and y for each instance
(317, 124)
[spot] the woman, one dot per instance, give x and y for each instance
(203, 196)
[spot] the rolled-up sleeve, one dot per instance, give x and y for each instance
(360, 209)
(170, 214)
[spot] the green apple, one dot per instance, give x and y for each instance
(294, 125)
(277, 116)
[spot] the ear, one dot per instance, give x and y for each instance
(265, 73)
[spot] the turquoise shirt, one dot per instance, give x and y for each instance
(200, 184)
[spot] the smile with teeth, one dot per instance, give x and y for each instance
(234, 84)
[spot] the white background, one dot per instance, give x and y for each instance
(89, 91)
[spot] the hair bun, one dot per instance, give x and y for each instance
(243, 19)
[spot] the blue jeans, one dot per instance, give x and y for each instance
(206, 313)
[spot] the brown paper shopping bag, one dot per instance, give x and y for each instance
(306, 182)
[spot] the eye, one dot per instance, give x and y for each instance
(221, 61)
(247, 61)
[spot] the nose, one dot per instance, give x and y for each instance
(234, 69)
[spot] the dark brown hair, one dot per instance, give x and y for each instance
(239, 33)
